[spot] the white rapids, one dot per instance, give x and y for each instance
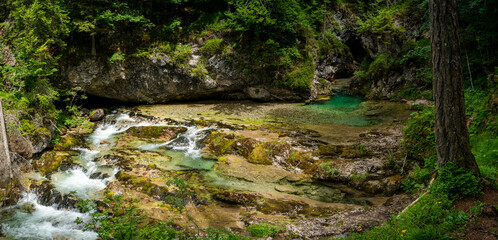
(51, 222)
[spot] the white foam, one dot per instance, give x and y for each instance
(78, 181)
(46, 223)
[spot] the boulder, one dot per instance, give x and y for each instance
(97, 115)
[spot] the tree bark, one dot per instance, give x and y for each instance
(452, 137)
(94, 52)
(5, 160)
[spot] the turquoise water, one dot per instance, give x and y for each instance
(341, 102)
(340, 109)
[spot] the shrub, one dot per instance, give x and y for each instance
(418, 135)
(116, 57)
(456, 182)
(331, 45)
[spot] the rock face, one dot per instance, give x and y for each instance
(157, 79)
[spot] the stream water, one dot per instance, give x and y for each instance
(183, 152)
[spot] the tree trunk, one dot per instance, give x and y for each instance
(452, 137)
(5, 161)
(94, 52)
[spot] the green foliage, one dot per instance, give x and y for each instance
(328, 169)
(456, 182)
(331, 45)
(478, 107)
(181, 54)
(213, 46)
(430, 218)
(420, 53)
(486, 153)
(181, 194)
(483, 130)
(116, 57)
(123, 220)
(382, 22)
(411, 186)
(301, 76)
(263, 230)
(199, 71)
(418, 134)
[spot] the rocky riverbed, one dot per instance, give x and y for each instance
(315, 170)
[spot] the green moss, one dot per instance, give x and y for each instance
(213, 46)
(49, 162)
(220, 143)
(329, 150)
(155, 132)
(303, 161)
(67, 142)
(260, 155)
(222, 159)
(199, 71)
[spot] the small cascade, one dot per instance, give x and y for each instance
(189, 142)
(184, 150)
(57, 221)
(35, 221)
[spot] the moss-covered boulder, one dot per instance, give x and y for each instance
(160, 133)
(49, 162)
(302, 160)
(260, 155)
(220, 143)
(67, 142)
(267, 153)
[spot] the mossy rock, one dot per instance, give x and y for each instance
(302, 160)
(260, 155)
(242, 198)
(219, 143)
(357, 151)
(329, 150)
(67, 143)
(265, 153)
(162, 133)
(272, 206)
(49, 162)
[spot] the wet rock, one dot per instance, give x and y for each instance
(6, 214)
(272, 206)
(155, 132)
(27, 208)
(67, 164)
(48, 196)
(99, 175)
(97, 115)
